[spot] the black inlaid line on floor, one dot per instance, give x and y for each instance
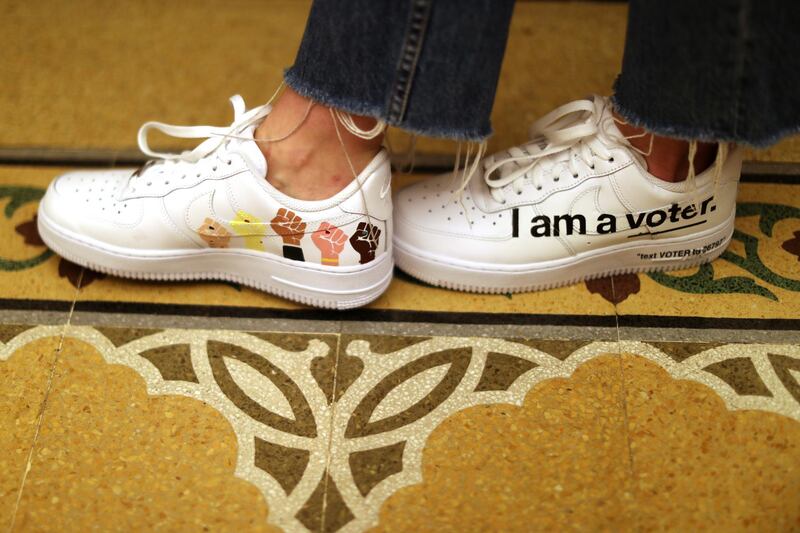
(390, 315)
(779, 179)
(14, 304)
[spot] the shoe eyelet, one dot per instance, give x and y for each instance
(149, 183)
(575, 176)
(539, 188)
(519, 193)
(592, 167)
(213, 169)
(611, 159)
(230, 162)
(556, 178)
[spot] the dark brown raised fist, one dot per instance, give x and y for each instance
(365, 241)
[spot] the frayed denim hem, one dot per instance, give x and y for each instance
(346, 104)
(476, 136)
(704, 135)
(357, 107)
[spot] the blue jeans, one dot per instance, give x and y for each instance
(721, 70)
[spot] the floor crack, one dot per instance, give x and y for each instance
(40, 416)
(334, 398)
(624, 391)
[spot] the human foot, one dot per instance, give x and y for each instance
(306, 157)
(576, 202)
(210, 214)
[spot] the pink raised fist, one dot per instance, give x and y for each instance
(330, 241)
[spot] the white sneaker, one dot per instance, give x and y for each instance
(211, 214)
(575, 203)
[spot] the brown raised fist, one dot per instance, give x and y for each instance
(330, 241)
(289, 226)
(365, 241)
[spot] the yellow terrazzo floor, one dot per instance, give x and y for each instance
(632, 403)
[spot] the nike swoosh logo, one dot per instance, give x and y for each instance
(588, 205)
(386, 187)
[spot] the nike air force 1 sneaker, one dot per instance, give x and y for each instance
(575, 203)
(211, 214)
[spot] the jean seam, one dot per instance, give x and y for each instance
(409, 58)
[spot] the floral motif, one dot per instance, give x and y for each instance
(704, 281)
(615, 289)
(793, 245)
(77, 275)
(19, 196)
(279, 401)
(30, 232)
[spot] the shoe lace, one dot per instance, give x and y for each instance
(560, 140)
(215, 137)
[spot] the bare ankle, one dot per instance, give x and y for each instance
(310, 163)
(667, 158)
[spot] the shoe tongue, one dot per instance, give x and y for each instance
(251, 152)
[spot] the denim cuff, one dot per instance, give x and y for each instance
(427, 67)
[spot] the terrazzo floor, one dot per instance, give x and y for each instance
(638, 402)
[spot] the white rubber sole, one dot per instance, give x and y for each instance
(638, 256)
(316, 285)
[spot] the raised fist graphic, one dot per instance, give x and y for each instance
(214, 234)
(251, 229)
(289, 226)
(365, 241)
(330, 241)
